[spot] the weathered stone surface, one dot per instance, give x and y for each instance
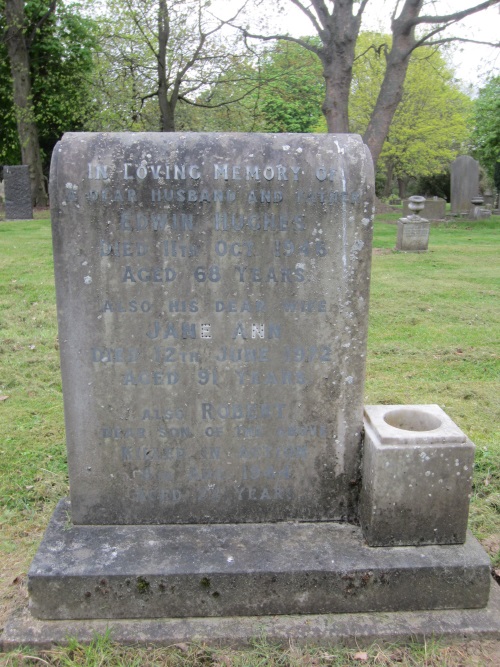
(212, 295)
(417, 476)
(413, 236)
(435, 208)
(17, 193)
(243, 570)
(464, 183)
(323, 630)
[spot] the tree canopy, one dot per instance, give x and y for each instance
(338, 24)
(173, 64)
(59, 43)
(486, 133)
(157, 56)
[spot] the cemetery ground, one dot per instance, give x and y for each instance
(434, 337)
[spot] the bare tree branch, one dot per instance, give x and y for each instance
(378, 50)
(362, 7)
(221, 104)
(286, 38)
(309, 15)
(447, 40)
(456, 16)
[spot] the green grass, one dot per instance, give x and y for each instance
(102, 653)
(434, 337)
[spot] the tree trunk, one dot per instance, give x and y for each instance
(388, 180)
(167, 106)
(337, 87)
(337, 57)
(391, 91)
(402, 183)
(23, 99)
(167, 119)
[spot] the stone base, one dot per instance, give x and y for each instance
(413, 236)
(313, 630)
(126, 572)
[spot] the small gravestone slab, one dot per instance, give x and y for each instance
(212, 295)
(464, 183)
(413, 236)
(413, 231)
(17, 193)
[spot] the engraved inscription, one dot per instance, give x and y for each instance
(222, 285)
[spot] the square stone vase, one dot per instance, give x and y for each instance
(417, 477)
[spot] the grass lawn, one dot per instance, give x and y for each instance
(434, 338)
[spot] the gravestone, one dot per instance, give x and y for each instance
(213, 362)
(212, 295)
(464, 183)
(489, 199)
(413, 231)
(17, 193)
(435, 208)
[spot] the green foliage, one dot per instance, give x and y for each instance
(368, 72)
(486, 134)
(437, 185)
(278, 90)
(60, 60)
(232, 104)
(431, 122)
(126, 78)
(291, 99)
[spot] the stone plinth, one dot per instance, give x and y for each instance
(354, 630)
(17, 193)
(417, 477)
(413, 235)
(243, 570)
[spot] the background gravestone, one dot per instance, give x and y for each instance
(413, 231)
(17, 193)
(435, 208)
(464, 183)
(213, 296)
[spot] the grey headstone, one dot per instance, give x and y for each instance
(489, 199)
(435, 209)
(413, 236)
(212, 296)
(17, 193)
(464, 183)
(413, 231)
